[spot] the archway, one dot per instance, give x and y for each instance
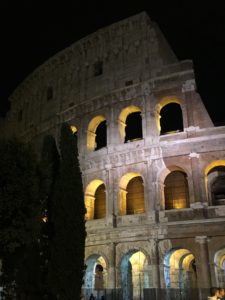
(95, 279)
(215, 182)
(165, 111)
(133, 129)
(95, 200)
(131, 194)
(96, 133)
(180, 272)
(134, 275)
(176, 192)
(128, 117)
(219, 260)
(168, 122)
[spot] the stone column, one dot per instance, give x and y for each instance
(146, 122)
(188, 89)
(195, 176)
(152, 134)
(159, 195)
(155, 266)
(149, 196)
(109, 195)
(113, 137)
(112, 268)
(202, 262)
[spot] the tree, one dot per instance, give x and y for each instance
(48, 170)
(20, 213)
(68, 215)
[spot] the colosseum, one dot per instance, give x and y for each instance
(152, 161)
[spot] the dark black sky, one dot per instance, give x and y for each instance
(32, 31)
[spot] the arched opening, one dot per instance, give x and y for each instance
(100, 205)
(180, 273)
(214, 182)
(219, 260)
(169, 116)
(130, 124)
(97, 133)
(135, 196)
(176, 190)
(133, 129)
(131, 197)
(95, 200)
(216, 185)
(100, 140)
(134, 275)
(171, 120)
(95, 279)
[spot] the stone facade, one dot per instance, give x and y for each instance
(173, 236)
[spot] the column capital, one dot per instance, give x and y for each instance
(201, 239)
(188, 86)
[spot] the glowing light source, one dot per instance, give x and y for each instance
(73, 129)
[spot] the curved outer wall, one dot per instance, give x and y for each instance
(130, 63)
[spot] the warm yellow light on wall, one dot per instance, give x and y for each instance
(221, 261)
(212, 165)
(91, 131)
(126, 178)
(137, 261)
(122, 119)
(179, 203)
(163, 102)
(122, 191)
(175, 258)
(90, 197)
(187, 261)
(219, 258)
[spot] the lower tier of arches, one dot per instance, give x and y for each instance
(155, 269)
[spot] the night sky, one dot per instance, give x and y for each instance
(33, 31)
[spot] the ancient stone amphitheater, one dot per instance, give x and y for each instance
(152, 161)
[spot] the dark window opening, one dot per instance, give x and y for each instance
(129, 82)
(99, 268)
(20, 115)
(49, 93)
(133, 130)
(171, 120)
(101, 136)
(98, 68)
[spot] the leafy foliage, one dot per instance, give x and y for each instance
(68, 215)
(20, 212)
(48, 169)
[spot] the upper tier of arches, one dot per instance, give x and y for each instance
(130, 123)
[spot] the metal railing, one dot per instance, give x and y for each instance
(147, 294)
